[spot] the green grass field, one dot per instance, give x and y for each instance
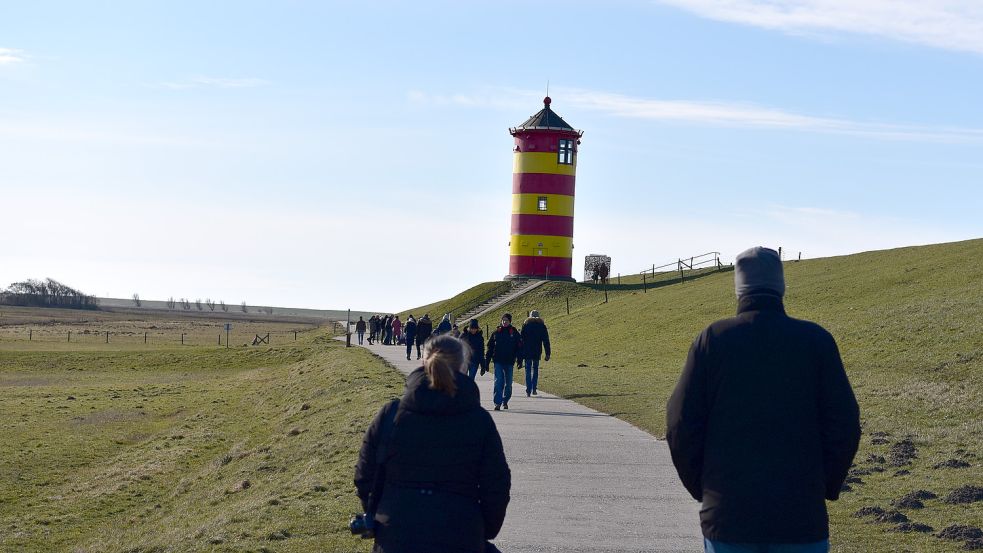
(909, 323)
(156, 449)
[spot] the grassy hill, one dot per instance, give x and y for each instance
(170, 449)
(909, 323)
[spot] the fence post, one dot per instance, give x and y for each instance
(182, 338)
(619, 279)
(30, 335)
(144, 337)
(679, 265)
(107, 336)
(645, 286)
(220, 338)
(295, 336)
(568, 305)
(605, 293)
(69, 335)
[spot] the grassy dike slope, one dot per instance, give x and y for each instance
(185, 450)
(909, 323)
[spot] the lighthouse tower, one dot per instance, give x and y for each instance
(544, 171)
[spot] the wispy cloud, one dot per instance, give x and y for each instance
(948, 24)
(719, 113)
(11, 56)
(214, 82)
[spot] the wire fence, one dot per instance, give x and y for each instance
(215, 336)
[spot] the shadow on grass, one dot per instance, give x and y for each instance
(612, 287)
(581, 396)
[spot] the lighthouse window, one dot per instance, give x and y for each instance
(566, 152)
(541, 204)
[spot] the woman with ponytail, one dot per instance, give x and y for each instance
(445, 480)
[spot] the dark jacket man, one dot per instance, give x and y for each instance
(504, 346)
(444, 326)
(409, 330)
(424, 328)
(446, 478)
(477, 343)
(535, 338)
(763, 424)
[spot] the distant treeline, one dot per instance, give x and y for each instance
(47, 293)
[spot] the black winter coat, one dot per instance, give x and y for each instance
(424, 328)
(444, 327)
(763, 425)
(535, 338)
(477, 343)
(504, 345)
(446, 479)
(409, 329)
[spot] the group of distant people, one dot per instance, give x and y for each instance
(507, 347)
(762, 427)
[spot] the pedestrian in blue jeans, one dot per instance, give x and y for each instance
(763, 424)
(504, 350)
(472, 336)
(535, 341)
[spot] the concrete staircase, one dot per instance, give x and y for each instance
(520, 288)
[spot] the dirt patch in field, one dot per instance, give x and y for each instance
(909, 527)
(110, 416)
(965, 494)
(902, 453)
(961, 532)
(951, 464)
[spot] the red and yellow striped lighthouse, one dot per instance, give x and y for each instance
(544, 172)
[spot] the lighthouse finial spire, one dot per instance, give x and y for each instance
(546, 100)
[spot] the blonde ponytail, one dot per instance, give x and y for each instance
(443, 357)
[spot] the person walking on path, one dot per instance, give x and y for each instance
(535, 342)
(397, 329)
(424, 328)
(360, 329)
(763, 424)
(504, 351)
(410, 329)
(474, 338)
(455, 332)
(445, 325)
(387, 330)
(373, 327)
(444, 479)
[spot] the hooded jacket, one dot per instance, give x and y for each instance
(446, 479)
(424, 328)
(763, 425)
(444, 326)
(535, 338)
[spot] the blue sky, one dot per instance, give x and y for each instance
(356, 154)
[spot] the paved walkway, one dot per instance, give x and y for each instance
(582, 481)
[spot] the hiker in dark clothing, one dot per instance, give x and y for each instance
(504, 351)
(535, 341)
(387, 331)
(409, 330)
(360, 329)
(373, 327)
(763, 424)
(474, 338)
(445, 325)
(445, 478)
(424, 328)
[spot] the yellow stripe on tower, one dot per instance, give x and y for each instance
(542, 162)
(536, 245)
(556, 204)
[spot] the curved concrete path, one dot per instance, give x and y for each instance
(582, 481)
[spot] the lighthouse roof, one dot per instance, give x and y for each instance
(545, 119)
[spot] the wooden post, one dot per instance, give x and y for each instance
(182, 338)
(295, 336)
(348, 330)
(605, 293)
(619, 279)
(220, 338)
(568, 305)
(144, 337)
(679, 265)
(645, 286)
(69, 335)
(30, 335)
(107, 336)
